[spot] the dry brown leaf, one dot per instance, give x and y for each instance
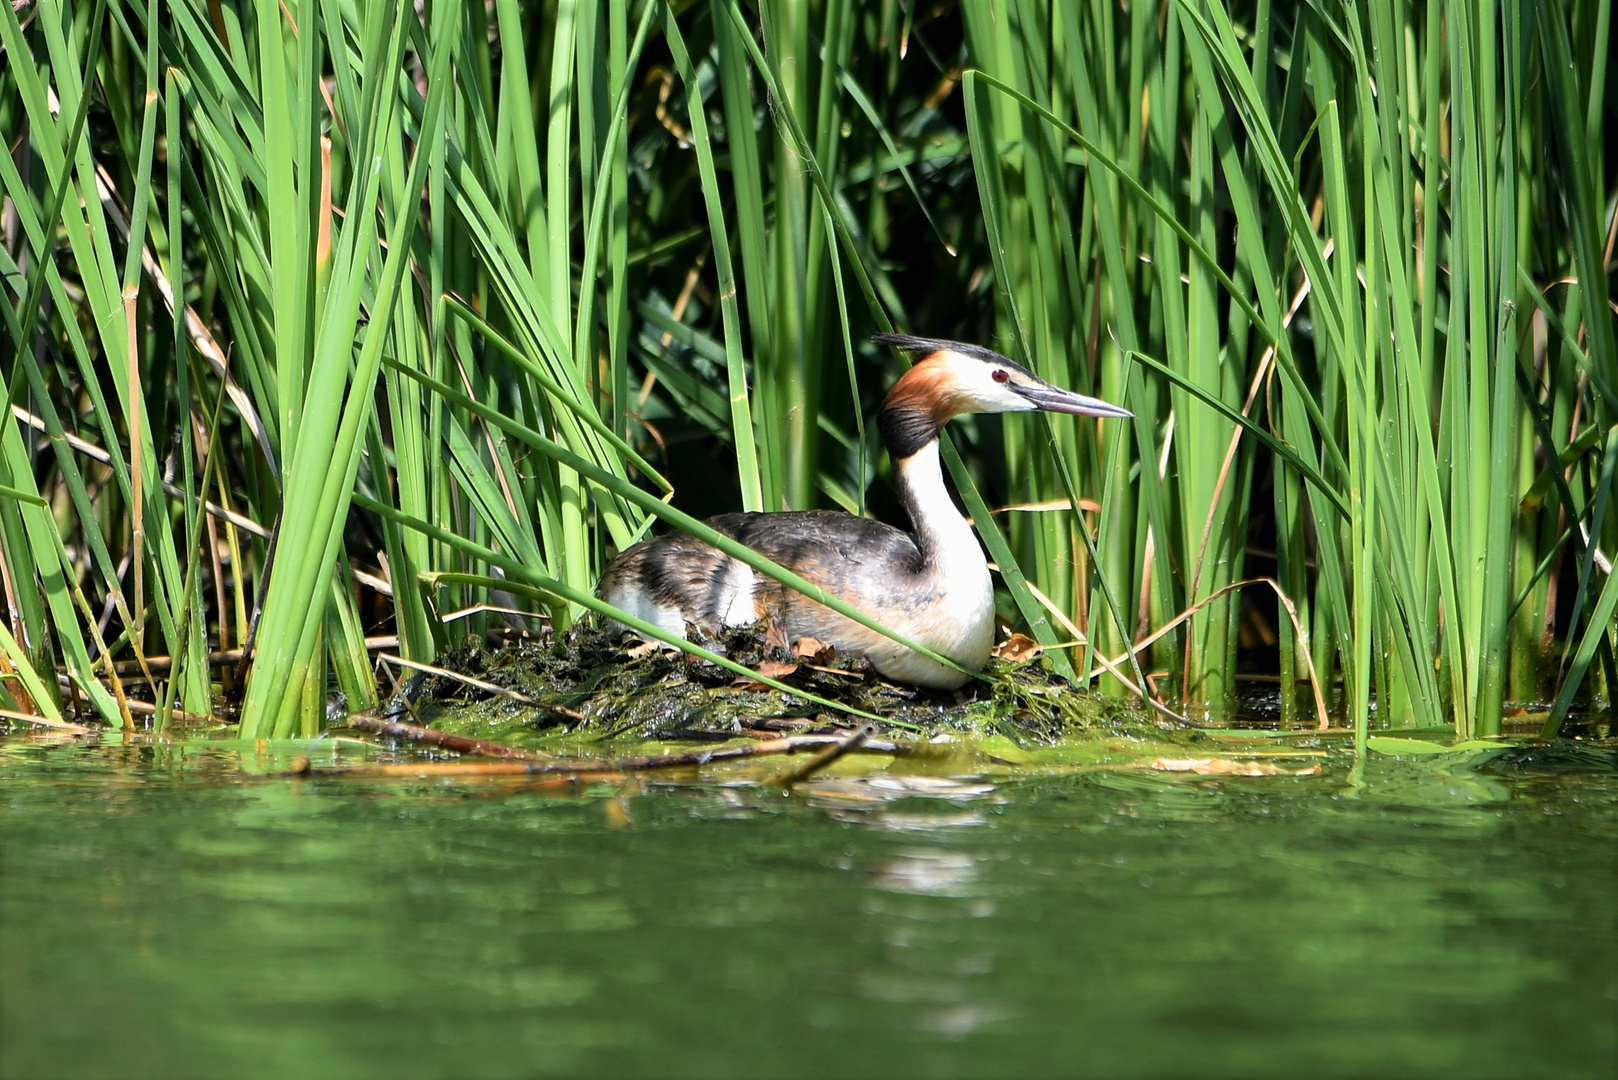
(649, 648)
(813, 651)
(776, 669)
(1017, 648)
(770, 669)
(775, 635)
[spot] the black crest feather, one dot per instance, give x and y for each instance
(922, 346)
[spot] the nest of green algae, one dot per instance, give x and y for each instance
(588, 682)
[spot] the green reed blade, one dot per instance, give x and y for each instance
(741, 416)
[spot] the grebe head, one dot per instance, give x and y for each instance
(951, 378)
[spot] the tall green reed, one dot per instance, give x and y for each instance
(473, 280)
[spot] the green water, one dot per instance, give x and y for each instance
(161, 914)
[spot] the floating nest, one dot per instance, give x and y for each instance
(586, 682)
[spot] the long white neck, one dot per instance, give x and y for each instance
(954, 611)
(942, 533)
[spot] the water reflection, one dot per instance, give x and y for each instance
(159, 914)
(897, 821)
(928, 872)
(937, 951)
(879, 788)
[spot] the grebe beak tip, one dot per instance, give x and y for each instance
(1054, 399)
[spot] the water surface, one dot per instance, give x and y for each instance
(163, 913)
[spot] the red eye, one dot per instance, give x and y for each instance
(1000, 375)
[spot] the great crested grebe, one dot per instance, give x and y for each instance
(931, 585)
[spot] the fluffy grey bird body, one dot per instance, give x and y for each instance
(931, 585)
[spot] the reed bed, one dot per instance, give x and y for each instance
(330, 321)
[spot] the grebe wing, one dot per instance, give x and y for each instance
(676, 578)
(824, 545)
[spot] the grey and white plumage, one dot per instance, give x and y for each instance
(931, 585)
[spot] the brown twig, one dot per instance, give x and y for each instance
(690, 758)
(776, 724)
(459, 743)
(428, 769)
(836, 750)
(146, 708)
(63, 726)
